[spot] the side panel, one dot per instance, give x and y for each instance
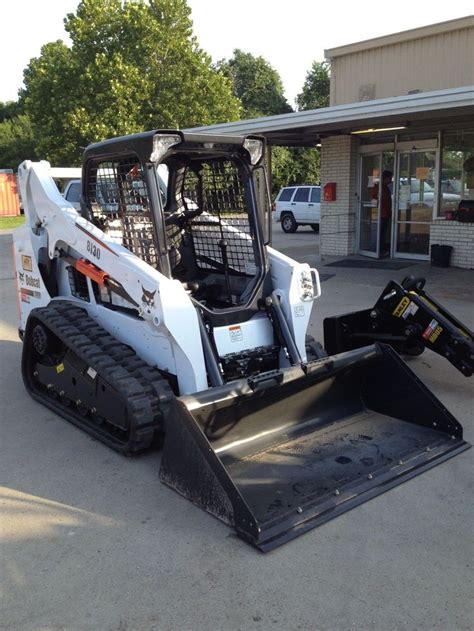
(289, 279)
(31, 290)
(244, 336)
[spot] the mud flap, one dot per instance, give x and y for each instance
(284, 454)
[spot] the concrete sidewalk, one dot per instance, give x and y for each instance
(92, 540)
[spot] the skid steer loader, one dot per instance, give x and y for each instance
(159, 312)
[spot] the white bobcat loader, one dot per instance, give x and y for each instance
(159, 311)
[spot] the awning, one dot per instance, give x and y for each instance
(443, 109)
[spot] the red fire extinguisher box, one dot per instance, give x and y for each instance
(329, 190)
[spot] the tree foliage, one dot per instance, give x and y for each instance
(256, 83)
(9, 109)
(315, 92)
(132, 65)
(16, 136)
(294, 165)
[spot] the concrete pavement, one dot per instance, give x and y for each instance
(92, 540)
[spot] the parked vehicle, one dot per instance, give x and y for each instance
(298, 206)
(72, 193)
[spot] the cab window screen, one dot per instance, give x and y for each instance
(118, 198)
(316, 195)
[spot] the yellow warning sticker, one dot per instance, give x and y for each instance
(26, 263)
(59, 368)
(436, 333)
(400, 308)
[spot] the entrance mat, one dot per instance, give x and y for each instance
(370, 264)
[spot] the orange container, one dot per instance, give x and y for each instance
(9, 201)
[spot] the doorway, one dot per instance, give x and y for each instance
(416, 201)
(395, 216)
(375, 194)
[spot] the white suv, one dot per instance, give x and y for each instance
(298, 206)
(72, 193)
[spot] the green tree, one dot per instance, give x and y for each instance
(260, 90)
(294, 165)
(256, 83)
(132, 65)
(302, 166)
(16, 142)
(315, 92)
(16, 135)
(9, 109)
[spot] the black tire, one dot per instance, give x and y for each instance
(413, 351)
(411, 282)
(288, 223)
(315, 227)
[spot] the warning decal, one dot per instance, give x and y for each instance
(432, 331)
(26, 263)
(410, 310)
(402, 305)
(235, 333)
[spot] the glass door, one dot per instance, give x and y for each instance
(416, 201)
(375, 203)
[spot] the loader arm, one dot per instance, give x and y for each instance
(166, 324)
(408, 319)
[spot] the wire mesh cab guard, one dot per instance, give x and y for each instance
(203, 226)
(211, 230)
(118, 198)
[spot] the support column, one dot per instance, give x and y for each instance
(339, 160)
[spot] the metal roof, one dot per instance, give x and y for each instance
(436, 110)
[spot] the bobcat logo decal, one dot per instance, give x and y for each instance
(148, 297)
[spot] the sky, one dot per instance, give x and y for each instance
(290, 34)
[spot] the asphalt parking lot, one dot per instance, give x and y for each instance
(92, 540)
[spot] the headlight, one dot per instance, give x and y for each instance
(255, 149)
(161, 144)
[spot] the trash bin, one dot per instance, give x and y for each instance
(441, 255)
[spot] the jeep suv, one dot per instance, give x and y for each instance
(298, 206)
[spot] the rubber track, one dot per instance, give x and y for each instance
(145, 391)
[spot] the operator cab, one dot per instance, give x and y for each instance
(188, 205)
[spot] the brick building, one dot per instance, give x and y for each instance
(402, 103)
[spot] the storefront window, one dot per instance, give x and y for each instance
(457, 171)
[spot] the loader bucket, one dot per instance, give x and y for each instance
(286, 452)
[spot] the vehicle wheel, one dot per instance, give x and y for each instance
(411, 282)
(315, 227)
(413, 351)
(288, 223)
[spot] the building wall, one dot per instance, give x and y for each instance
(424, 60)
(460, 236)
(339, 156)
